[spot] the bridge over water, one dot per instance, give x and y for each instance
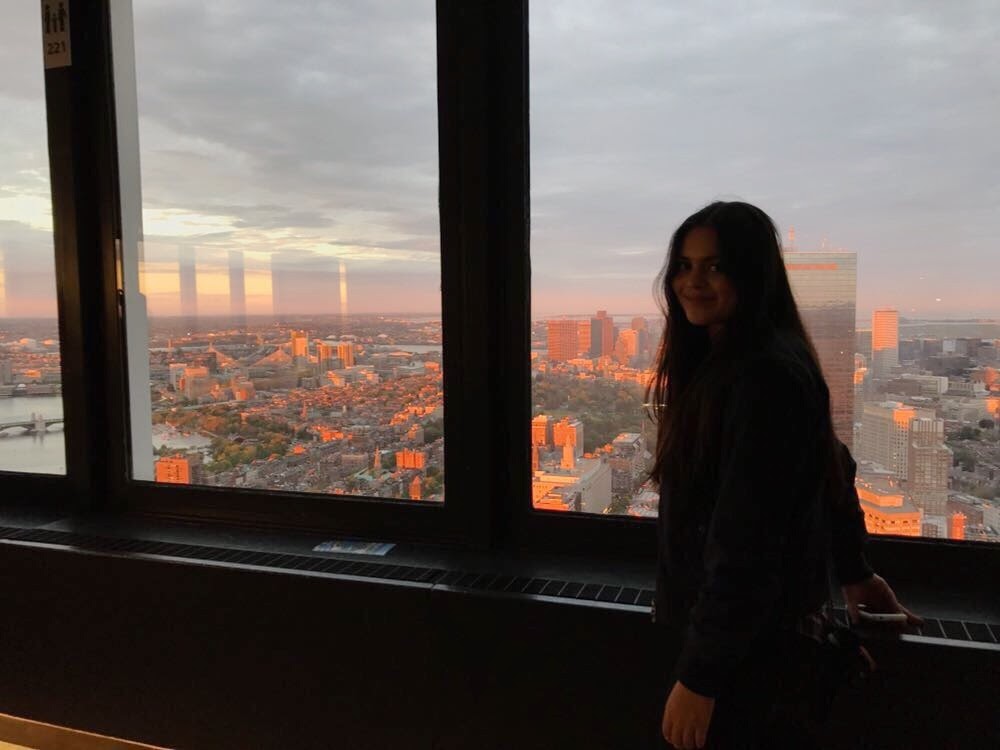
(35, 423)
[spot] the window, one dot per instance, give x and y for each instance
(282, 267)
(867, 140)
(31, 401)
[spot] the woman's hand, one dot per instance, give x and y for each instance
(686, 717)
(877, 596)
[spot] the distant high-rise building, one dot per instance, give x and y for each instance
(641, 327)
(300, 346)
(626, 461)
(176, 469)
(196, 382)
(885, 342)
(956, 526)
(860, 383)
(345, 351)
(6, 372)
(885, 435)
(928, 465)
(176, 374)
(568, 457)
(627, 344)
(326, 353)
(541, 430)
(583, 337)
(415, 488)
(602, 335)
(411, 459)
(568, 432)
(825, 289)
(563, 339)
(886, 509)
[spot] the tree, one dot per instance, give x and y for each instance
(986, 424)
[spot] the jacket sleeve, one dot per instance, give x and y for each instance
(767, 455)
(848, 527)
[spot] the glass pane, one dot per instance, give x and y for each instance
(31, 406)
(283, 284)
(872, 142)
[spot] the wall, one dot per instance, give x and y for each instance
(193, 656)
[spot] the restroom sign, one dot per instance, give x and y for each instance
(55, 33)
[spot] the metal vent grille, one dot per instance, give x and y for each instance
(473, 581)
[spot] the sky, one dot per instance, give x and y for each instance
(302, 136)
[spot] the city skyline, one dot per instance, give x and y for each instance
(894, 166)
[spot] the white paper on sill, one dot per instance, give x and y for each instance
(349, 547)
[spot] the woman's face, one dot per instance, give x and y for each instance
(707, 295)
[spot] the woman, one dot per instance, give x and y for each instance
(756, 493)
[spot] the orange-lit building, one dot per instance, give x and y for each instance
(175, 469)
(326, 353)
(627, 345)
(300, 344)
(885, 342)
(563, 339)
(956, 526)
(583, 337)
(885, 434)
(411, 459)
(568, 431)
(541, 430)
(887, 510)
(415, 488)
(586, 488)
(243, 390)
(345, 352)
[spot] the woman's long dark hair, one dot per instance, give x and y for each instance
(692, 369)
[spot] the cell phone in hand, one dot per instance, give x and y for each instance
(875, 617)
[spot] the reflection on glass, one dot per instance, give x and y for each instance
(876, 140)
(31, 406)
(308, 154)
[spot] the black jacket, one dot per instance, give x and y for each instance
(752, 557)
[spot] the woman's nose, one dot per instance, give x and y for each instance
(697, 277)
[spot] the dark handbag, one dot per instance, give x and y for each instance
(820, 661)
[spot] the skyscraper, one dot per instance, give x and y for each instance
(583, 337)
(568, 432)
(825, 289)
(563, 339)
(174, 469)
(541, 431)
(928, 465)
(641, 327)
(885, 435)
(325, 354)
(885, 342)
(602, 335)
(300, 346)
(345, 350)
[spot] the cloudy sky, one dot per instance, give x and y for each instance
(304, 134)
